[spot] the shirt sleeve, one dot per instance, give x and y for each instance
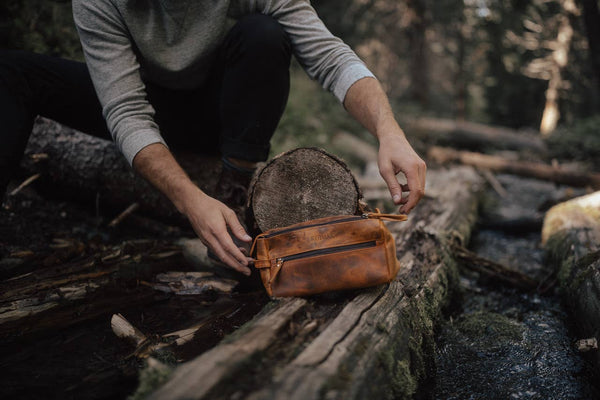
(324, 57)
(115, 72)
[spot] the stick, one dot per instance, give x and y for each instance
(128, 211)
(504, 274)
(25, 183)
(529, 169)
(496, 185)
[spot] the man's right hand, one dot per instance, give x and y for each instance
(209, 217)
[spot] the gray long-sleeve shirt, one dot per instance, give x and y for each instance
(173, 43)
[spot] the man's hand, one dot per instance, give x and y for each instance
(368, 104)
(395, 156)
(209, 217)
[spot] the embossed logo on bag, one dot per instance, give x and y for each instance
(324, 236)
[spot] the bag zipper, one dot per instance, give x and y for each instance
(329, 250)
(353, 218)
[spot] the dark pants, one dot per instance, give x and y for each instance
(234, 113)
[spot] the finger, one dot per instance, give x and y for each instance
(416, 191)
(236, 227)
(388, 175)
(227, 244)
(227, 258)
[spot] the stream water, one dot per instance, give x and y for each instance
(500, 343)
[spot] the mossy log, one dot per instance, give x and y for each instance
(372, 343)
(58, 296)
(571, 238)
(80, 166)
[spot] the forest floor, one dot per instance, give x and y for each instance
(86, 360)
(533, 358)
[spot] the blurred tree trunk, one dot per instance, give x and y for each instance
(417, 44)
(560, 58)
(591, 18)
(461, 85)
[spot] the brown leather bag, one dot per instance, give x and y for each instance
(332, 253)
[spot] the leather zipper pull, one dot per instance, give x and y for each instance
(386, 217)
(276, 270)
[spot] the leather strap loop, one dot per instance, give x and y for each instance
(386, 217)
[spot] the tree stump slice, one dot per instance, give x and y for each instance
(300, 185)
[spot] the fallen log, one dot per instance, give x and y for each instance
(494, 270)
(65, 294)
(475, 136)
(87, 168)
(571, 239)
(296, 186)
(557, 174)
(373, 343)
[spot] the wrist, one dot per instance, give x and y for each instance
(389, 130)
(185, 196)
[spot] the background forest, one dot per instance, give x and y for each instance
(524, 64)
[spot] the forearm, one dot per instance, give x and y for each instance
(368, 104)
(156, 164)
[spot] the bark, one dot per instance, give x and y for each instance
(91, 169)
(529, 169)
(301, 185)
(53, 298)
(571, 238)
(373, 343)
(475, 136)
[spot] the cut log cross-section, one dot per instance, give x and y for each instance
(300, 185)
(373, 343)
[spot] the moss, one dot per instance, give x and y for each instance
(581, 270)
(151, 378)
(493, 328)
(403, 384)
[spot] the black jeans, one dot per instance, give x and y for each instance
(235, 113)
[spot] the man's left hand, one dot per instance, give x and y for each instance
(395, 156)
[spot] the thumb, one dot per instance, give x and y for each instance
(236, 228)
(390, 179)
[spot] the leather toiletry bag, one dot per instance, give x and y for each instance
(327, 254)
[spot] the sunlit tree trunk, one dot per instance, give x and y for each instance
(560, 57)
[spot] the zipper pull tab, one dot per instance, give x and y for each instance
(276, 270)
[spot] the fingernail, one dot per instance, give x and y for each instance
(247, 238)
(396, 198)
